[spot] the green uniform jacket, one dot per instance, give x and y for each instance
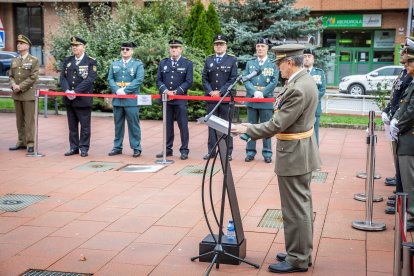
(25, 74)
(319, 77)
(266, 82)
(133, 73)
(294, 112)
(405, 117)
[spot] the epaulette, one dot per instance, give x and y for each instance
(318, 69)
(165, 58)
(231, 55)
(92, 58)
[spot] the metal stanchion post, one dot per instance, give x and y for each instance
(400, 216)
(368, 224)
(45, 106)
(36, 138)
(164, 132)
(406, 259)
(371, 129)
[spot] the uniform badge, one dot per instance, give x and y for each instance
(83, 71)
(132, 72)
(211, 64)
(69, 64)
(94, 68)
(267, 80)
(165, 67)
(317, 79)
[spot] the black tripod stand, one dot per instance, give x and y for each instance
(214, 247)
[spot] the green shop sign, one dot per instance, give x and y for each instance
(352, 21)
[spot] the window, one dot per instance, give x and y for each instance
(384, 56)
(355, 39)
(386, 72)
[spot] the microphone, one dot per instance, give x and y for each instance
(251, 75)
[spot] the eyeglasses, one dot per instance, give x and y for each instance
(125, 49)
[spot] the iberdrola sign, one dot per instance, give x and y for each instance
(352, 21)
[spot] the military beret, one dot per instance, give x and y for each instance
(24, 39)
(308, 51)
(263, 41)
(128, 45)
(287, 50)
(175, 42)
(74, 40)
(220, 38)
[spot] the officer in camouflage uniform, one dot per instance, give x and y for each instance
(261, 86)
(125, 78)
(23, 75)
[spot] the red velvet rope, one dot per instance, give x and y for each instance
(401, 222)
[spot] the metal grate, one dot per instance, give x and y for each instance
(196, 170)
(39, 272)
(319, 177)
(141, 168)
(273, 218)
(15, 202)
(97, 166)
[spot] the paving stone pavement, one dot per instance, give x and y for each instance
(120, 223)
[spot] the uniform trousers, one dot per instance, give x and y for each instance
(255, 116)
(179, 113)
(131, 114)
(399, 187)
(25, 118)
(296, 201)
(82, 116)
(223, 112)
(406, 164)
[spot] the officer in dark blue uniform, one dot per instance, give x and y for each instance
(220, 71)
(175, 77)
(77, 76)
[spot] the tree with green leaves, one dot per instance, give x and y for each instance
(213, 20)
(203, 37)
(192, 21)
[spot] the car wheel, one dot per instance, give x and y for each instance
(356, 89)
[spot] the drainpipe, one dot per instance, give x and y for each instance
(409, 18)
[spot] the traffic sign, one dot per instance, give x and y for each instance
(2, 42)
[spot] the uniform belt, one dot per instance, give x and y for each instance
(294, 136)
(260, 88)
(122, 84)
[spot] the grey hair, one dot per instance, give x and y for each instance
(297, 60)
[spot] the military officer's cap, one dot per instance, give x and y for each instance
(74, 40)
(128, 45)
(308, 51)
(220, 38)
(263, 41)
(175, 42)
(24, 39)
(287, 50)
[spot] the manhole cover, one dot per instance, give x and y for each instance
(97, 166)
(14, 203)
(141, 168)
(196, 170)
(273, 218)
(38, 272)
(319, 177)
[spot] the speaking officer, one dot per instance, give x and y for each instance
(175, 77)
(23, 75)
(261, 86)
(319, 77)
(77, 76)
(220, 71)
(125, 78)
(297, 156)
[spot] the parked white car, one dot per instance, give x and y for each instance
(364, 84)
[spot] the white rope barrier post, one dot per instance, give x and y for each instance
(36, 138)
(368, 224)
(400, 218)
(164, 132)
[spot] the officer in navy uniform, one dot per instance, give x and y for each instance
(175, 77)
(125, 77)
(319, 76)
(78, 76)
(220, 71)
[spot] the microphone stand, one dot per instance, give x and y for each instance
(213, 245)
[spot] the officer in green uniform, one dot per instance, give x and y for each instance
(23, 75)
(297, 155)
(125, 78)
(320, 80)
(261, 86)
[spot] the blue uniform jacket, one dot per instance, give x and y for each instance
(132, 74)
(320, 80)
(178, 78)
(398, 88)
(79, 78)
(219, 76)
(266, 82)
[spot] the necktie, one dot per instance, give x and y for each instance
(286, 82)
(218, 59)
(260, 62)
(308, 70)
(174, 62)
(125, 64)
(77, 61)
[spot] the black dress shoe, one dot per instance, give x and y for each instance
(390, 178)
(84, 153)
(30, 149)
(184, 156)
(392, 197)
(71, 152)
(161, 155)
(17, 148)
(268, 160)
(391, 203)
(285, 267)
(390, 210)
(249, 158)
(410, 226)
(115, 152)
(392, 182)
(281, 257)
(137, 153)
(207, 156)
